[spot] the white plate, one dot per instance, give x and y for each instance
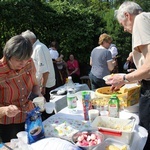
(54, 144)
(108, 76)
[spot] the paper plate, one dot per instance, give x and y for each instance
(53, 143)
(108, 76)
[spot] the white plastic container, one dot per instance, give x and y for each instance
(110, 143)
(119, 129)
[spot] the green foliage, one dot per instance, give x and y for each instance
(120, 38)
(75, 24)
(73, 27)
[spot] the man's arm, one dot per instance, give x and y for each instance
(144, 71)
(44, 81)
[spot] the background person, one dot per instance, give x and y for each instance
(136, 22)
(44, 66)
(59, 64)
(114, 52)
(73, 69)
(45, 73)
(101, 62)
(18, 80)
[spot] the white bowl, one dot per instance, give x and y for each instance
(98, 134)
(79, 94)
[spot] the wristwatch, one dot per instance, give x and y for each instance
(125, 80)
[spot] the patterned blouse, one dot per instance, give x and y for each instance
(15, 88)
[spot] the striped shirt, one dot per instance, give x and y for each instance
(15, 88)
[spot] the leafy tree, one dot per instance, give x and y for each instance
(75, 24)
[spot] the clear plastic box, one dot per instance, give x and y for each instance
(110, 143)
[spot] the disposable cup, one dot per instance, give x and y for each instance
(49, 107)
(104, 113)
(93, 113)
(39, 102)
(23, 136)
(14, 142)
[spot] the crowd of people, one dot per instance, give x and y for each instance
(30, 67)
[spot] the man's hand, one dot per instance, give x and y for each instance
(116, 81)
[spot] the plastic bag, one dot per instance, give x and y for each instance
(34, 126)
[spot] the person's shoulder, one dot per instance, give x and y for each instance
(96, 48)
(40, 44)
(143, 15)
(76, 60)
(3, 63)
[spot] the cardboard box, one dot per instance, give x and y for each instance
(133, 94)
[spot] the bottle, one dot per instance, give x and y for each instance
(113, 106)
(70, 84)
(71, 100)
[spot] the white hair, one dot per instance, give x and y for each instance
(28, 34)
(128, 6)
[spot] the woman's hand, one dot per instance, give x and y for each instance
(10, 111)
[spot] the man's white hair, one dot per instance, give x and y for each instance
(28, 34)
(128, 6)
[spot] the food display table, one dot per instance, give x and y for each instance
(64, 116)
(63, 124)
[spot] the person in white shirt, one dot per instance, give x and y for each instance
(59, 64)
(45, 73)
(113, 50)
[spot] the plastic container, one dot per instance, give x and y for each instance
(49, 107)
(104, 113)
(88, 133)
(111, 143)
(116, 128)
(113, 106)
(71, 101)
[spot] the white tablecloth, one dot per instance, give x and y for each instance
(139, 136)
(61, 100)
